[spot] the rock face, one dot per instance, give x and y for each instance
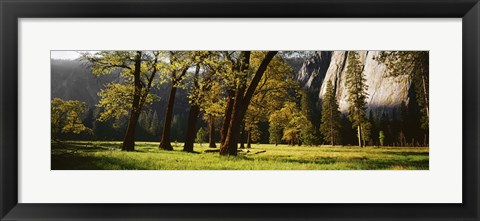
(385, 93)
(314, 69)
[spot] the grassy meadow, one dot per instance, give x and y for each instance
(107, 156)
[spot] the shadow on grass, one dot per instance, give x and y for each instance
(362, 163)
(85, 146)
(406, 153)
(382, 164)
(77, 156)
(88, 162)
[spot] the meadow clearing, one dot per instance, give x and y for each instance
(102, 155)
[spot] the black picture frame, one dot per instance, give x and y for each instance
(12, 10)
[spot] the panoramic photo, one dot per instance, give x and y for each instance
(239, 110)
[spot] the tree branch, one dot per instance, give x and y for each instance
(258, 75)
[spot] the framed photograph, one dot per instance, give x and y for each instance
(228, 110)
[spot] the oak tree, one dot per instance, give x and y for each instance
(66, 117)
(137, 70)
(243, 95)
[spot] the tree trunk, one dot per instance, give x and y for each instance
(363, 138)
(359, 130)
(242, 136)
(425, 140)
(249, 139)
(129, 139)
(331, 126)
(191, 128)
(425, 93)
(226, 118)
(256, 79)
(165, 142)
(211, 127)
(229, 147)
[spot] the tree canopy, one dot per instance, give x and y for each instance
(66, 117)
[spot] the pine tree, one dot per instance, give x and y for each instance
(330, 127)
(357, 94)
(310, 133)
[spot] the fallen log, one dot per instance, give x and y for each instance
(261, 151)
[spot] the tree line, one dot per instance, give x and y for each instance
(236, 93)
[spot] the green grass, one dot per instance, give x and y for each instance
(107, 156)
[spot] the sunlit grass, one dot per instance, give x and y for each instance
(107, 156)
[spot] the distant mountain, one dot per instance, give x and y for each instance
(72, 80)
(314, 68)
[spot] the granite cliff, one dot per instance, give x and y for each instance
(385, 92)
